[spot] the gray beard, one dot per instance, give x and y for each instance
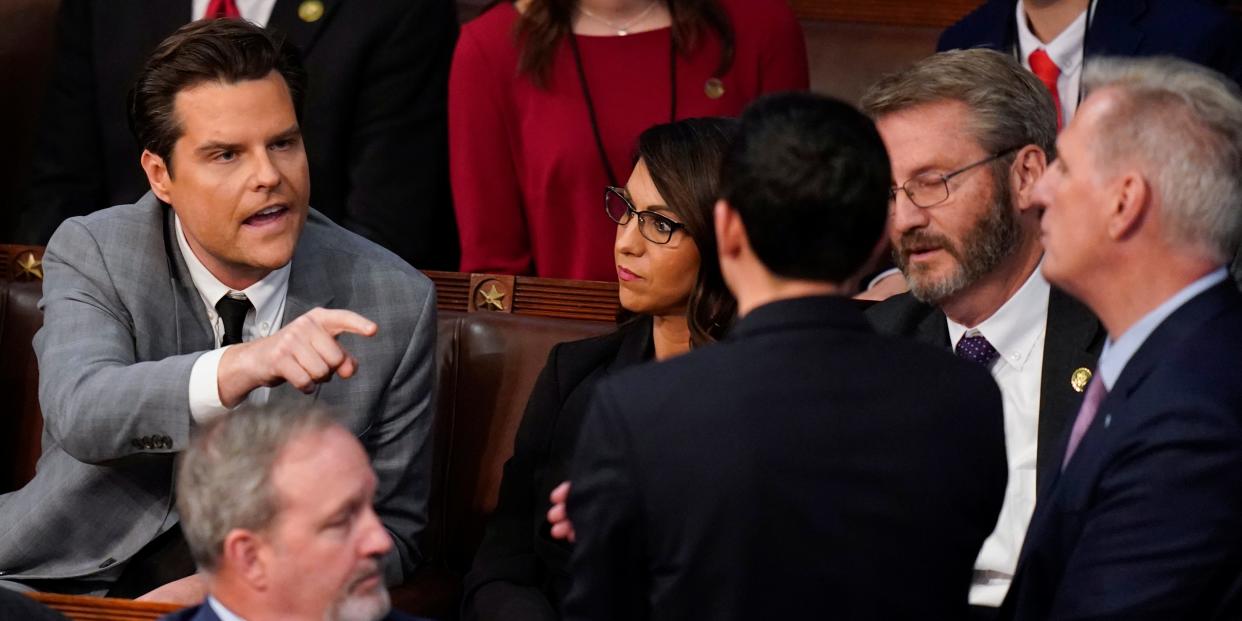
(992, 239)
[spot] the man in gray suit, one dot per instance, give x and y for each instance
(219, 287)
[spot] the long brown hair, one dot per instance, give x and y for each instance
(684, 160)
(545, 22)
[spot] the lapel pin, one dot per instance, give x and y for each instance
(713, 88)
(310, 10)
(1080, 378)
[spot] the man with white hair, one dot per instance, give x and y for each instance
(1140, 216)
(276, 506)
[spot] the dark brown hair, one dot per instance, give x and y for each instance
(221, 50)
(545, 22)
(684, 160)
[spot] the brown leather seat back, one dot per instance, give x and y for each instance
(488, 364)
(21, 424)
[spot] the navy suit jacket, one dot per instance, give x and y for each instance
(801, 468)
(1189, 29)
(1144, 522)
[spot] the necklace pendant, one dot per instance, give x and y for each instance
(622, 33)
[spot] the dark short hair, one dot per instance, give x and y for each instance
(809, 177)
(683, 159)
(220, 50)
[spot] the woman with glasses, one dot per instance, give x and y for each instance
(664, 253)
(547, 97)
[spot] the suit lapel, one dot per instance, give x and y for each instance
(193, 329)
(300, 32)
(933, 329)
(1115, 28)
(1072, 341)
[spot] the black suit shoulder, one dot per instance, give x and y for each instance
(985, 26)
(903, 315)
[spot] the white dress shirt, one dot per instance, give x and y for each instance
(1065, 51)
(254, 11)
(224, 613)
(1017, 331)
(268, 299)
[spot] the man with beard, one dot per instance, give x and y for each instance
(969, 133)
(276, 506)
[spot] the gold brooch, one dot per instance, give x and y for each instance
(713, 88)
(310, 10)
(1080, 379)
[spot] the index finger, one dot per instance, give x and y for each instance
(335, 321)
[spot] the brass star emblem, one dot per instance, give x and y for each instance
(30, 266)
(492, 297)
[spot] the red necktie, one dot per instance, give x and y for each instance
(221, 8)
(1047, 72)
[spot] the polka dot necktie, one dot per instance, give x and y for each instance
(976, 349)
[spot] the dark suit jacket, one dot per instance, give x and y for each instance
(1144, 521)
(801, 468)
(203, 612)
(374, 117)
(520, 571)
(1189, 29)
(1074, 338)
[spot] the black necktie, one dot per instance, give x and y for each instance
(233, 313)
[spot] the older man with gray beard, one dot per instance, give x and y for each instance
(969, 133)
(276, 506)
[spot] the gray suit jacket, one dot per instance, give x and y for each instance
(123, 325)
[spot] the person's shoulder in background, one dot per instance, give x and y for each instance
(986, 26)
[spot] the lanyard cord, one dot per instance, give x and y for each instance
(586, 94)
(1086, 31)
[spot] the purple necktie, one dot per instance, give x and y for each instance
(976, 349)
(1090, 405)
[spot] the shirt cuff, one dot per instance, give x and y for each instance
(881, 276)
(205, 388)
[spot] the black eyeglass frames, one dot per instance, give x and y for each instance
(654, 227)
(931, 189)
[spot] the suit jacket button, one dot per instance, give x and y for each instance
(168, 442)
(107, 563)
(136, 443)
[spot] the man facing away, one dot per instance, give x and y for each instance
(969, 133)
(805, 466)
(1140, 216)
(276, 505)
(219, 287)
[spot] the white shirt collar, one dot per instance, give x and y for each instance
(1015, 327)
(1065, 50)
(1117, 354)
(267, 296)
(224, 613)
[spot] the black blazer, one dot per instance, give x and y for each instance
(1144, 521)
(1191, 29)
(521, 572)
(805, 467)
(374, 118)
(1073, 340)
